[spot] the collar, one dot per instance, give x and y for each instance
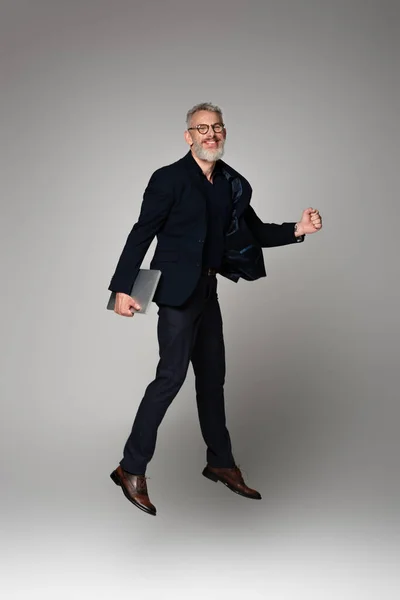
(196, 169)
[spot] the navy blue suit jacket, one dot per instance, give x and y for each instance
(174, 210)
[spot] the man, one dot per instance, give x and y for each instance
(199, 209)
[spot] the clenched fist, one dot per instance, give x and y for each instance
(123, 305)
(310, 221)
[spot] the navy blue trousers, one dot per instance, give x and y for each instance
(189, 333)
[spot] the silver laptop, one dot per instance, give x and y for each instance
(143, 290)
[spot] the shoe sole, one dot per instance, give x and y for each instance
(116, 480)
(215, 478)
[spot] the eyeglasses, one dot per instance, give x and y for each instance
(203, 129)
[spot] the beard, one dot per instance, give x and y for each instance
(208, 154)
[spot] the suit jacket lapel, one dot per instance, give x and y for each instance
(195, 179)
(240, 199)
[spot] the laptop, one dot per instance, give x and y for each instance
(142, 291)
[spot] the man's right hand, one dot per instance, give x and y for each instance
(124, 304)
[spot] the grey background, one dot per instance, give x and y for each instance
(93, 99)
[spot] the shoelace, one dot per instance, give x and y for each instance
(239, 471)
(142, 484)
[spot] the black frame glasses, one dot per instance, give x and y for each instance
(203, 128)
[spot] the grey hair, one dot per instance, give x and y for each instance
(203, 106)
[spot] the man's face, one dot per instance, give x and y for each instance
(208, 146)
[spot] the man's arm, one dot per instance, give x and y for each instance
(269, 235)
(157, 201)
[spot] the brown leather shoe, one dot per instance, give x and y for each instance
(233, 479)
(134, 488)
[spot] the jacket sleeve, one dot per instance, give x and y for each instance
(269, 235)
(157, 202)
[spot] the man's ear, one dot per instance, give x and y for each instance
(188, 138)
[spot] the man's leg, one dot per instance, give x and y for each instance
(208, 358)
(177, 329)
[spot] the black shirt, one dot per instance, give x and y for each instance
(219, 212)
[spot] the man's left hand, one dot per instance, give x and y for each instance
(310, 222)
